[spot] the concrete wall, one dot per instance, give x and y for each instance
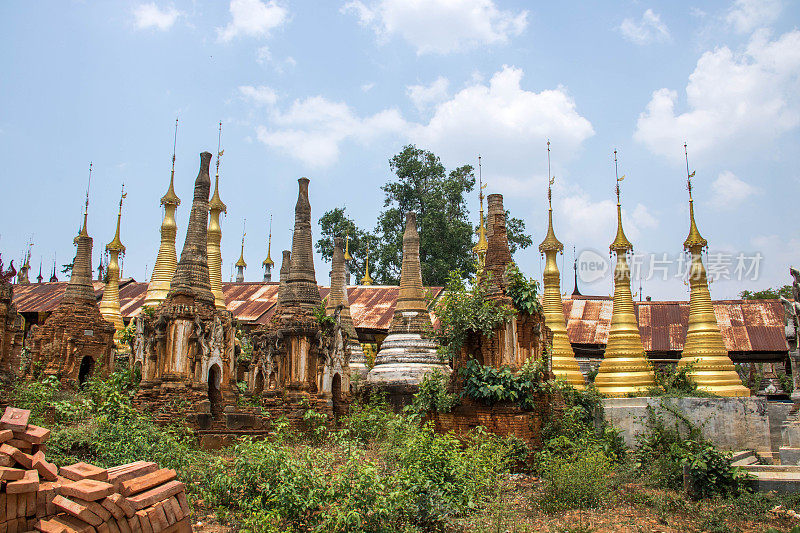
(730, 423)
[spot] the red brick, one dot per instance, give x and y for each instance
(88, 489)
(117, 476)
(33, 434)
(123, 526)
(144, 521)
(23, 459)
(181, 497)
(6, 435)
(75, 524)
(112, 527)
(22, 505)
(29, 483)
(168, 512)
(47, 471)
(11, 474)
(77, 510)
(80, 471)
(123, 504)
(133, 524)
(7, 460)
(12, 526)
(146, 482)
(30, 506)
(50, 526)
(112, 508)
(26, 447)
(15, 419)
(176, 508)
(150, 497)
(94, 507)
(103, 528)
(184, 526)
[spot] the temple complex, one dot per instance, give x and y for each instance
(407, 353)
(167, 258)
(564, 364)
(186, 346)
(75, 341)
(625, 368)
(704, 350)
(109, 304)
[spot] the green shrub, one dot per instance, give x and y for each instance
(582, 483)
(432, 396)
(369, 422)
(711, 471)
(489, 385)
(522, 290)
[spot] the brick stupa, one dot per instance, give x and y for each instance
(407, 353)
(338, 297)
(75, 341)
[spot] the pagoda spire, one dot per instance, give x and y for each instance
(366, 280)
(625, 368)
(302, 290)
(482, 245)
(575, 291)
(339, 297)
(167, 258)
(241, 264)
(268, 263)
(704, 349)
(216, 208)
(109, 305)
(564, 364)
(80, 281)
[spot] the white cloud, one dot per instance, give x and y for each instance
(253, 18)
(746, 15)
(503, 121)
(728, 191)
(648, 30)
(312, 129)
(148, 16)
(731, 98)
(587, 221)
(425, 95)
(437, 26)
(367, 87)
(261, 95)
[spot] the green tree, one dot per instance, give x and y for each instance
(517, 238)
(767, 294)
(424, 186)
(335, 223)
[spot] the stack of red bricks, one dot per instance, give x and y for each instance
(35, 495)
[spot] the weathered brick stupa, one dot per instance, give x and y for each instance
(75, 341)
(109, 304)
(188, 343)
(11, 335)
(338, 306)
(407, 353)
(522, 337)
(288, 347)
(167, 258)
(625, 369)
(704, 349)
(564, 364)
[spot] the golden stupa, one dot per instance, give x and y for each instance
(268, 263)
(713, 370)
(564, 364)
(241, 264)
(483, 244)
(216, 207)
(109, 304)
(625, 369)
(167, 258)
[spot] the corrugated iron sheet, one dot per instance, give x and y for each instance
(746, 325)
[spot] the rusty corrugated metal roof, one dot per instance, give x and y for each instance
(746, 325)
(45, 297)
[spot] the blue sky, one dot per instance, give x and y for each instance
(331, 90)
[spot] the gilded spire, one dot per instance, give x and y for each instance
(84, 231)
(564, 364)
(109, 305)
(167, 257)
(366, 280)
(241, 263)
(704, 349)
(621, 242)
(347, 256)
(268, 262)
(550, 241)
(216, 207)
(625, 368)
(482, 245)
(171, 198)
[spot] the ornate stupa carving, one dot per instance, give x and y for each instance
(186, 348)
(24, 270)
(109, 304)
(167, 258)
(564, 364)
(295, 352)
(240, 263)
(217, 207)
(625, 368)
(268, 263)
(498, 254)
(407, 353)
(704, 349)
(75, 341)
(339, 300)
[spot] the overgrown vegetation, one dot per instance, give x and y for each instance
(523, 291)
(489, 385)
